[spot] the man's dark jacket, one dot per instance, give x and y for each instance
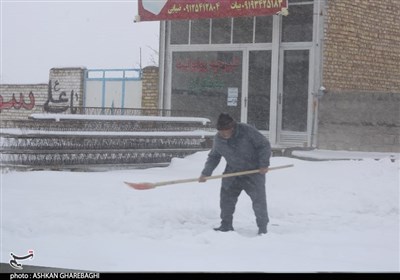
(247, 149)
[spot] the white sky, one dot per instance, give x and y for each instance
(39, 35)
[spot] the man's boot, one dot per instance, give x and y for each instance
(262, 230)
(224, 227)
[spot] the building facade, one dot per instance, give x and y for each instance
(326, 75)
(361, 70)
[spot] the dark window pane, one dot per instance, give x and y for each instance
(221, 31)
(300, 1)
(179, 32)
(200, 31)
(295, 90)
(259, 89)
(263, 29)
(243, 30)
(298, 25)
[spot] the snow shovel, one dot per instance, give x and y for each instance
(147, 186)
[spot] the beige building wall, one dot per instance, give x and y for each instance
(362, 46)
(361, 72)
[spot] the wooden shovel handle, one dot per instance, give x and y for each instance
(240, 173)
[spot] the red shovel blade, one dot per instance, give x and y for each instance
(140, 186)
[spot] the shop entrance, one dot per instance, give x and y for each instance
(280, 114)
(262, 70)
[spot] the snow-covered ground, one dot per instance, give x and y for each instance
(324, 216)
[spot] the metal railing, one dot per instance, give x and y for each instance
(113, 111)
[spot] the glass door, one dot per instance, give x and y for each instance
(259, 89)
(293, 96)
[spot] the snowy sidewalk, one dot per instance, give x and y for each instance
(342, 155)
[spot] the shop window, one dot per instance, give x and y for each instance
(221, 31)
(243, 30)
(263, 29)
(207, 81)
(300, 1)
(179, 32)
(298, 25)
(200, 31)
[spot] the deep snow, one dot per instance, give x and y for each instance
(324, 216)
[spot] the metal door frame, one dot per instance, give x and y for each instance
(291, 137)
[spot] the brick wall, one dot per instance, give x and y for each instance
(362, 46)
(63, 94)
(19, 101)
(66, 90)
(361, 72)
(150, 87)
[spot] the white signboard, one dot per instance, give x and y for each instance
(233, 94)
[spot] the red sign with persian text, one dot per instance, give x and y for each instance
(153, 10)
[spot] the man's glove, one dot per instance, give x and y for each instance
(202, 179)
(263, 170)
